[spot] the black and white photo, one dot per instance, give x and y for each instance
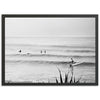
(50, 49)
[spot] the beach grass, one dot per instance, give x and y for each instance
(66, 79)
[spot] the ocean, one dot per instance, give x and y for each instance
(40, 58)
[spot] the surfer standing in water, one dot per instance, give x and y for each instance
(71, 67)
(41, 51)
(72, 60)
(19, 51)
(45, 51)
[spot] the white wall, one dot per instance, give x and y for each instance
(49, 7)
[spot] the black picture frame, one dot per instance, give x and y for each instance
(49, 16)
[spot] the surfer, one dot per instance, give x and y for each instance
(28, 53)
(41, 51)
(45, 51)
(71, 69)
(72, 60)
(19, 51)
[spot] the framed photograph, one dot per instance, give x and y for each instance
(50, 50)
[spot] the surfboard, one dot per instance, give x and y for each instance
(77, 63)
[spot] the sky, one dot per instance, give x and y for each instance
(49, 27)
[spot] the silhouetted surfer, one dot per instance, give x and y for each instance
(41, 51)
(28, 53)
(45, 51)
(72, 60)
(19, 51)
(71, 69)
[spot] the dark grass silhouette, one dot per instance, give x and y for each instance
(66, 79)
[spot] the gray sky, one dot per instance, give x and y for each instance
(49, 27)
